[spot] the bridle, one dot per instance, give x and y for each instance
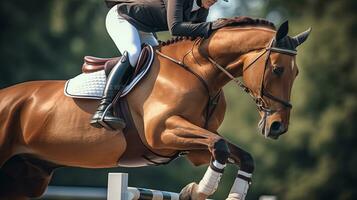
(259, 100)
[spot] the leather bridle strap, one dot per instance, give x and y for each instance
(183, 65)
(236, 80)
(259, 100)
(270, 96)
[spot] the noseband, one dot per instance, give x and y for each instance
(259, 101)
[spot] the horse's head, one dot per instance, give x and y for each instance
(269, 75)
(265, 58)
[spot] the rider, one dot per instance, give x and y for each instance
(133, 22)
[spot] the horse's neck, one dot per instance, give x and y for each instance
(228, 48)
(187, 52)
(178, 50)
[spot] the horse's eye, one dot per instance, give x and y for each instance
(277, 70)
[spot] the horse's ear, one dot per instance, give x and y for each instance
(301, 38)
(282, 31)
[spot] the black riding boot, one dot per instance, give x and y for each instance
(116, 82)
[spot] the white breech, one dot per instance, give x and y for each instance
(126, 37)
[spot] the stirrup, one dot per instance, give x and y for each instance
(109, 125)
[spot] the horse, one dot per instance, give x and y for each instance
(176, 109)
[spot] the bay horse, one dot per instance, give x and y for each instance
(41, 129)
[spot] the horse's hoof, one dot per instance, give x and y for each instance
(186, 192)
(190, 193)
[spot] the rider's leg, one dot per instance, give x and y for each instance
(116, 81)
(127, 40)
(125, 36)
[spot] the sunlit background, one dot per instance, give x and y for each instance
(316, 159)
(254, 8)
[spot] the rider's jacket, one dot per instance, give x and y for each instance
(178, 16)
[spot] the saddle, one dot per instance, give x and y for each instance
(94, 64)
(91, 83)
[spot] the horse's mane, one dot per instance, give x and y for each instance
(241, 21)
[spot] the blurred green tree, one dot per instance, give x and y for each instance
(316, 159)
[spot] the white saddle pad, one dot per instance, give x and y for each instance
(91, 86)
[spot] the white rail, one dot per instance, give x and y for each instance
(117, 190)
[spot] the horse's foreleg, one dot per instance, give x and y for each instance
(241, 184)
(239, 157)
(181, 134)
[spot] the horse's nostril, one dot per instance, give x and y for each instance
(275, 126)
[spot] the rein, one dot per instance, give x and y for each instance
(259, 101)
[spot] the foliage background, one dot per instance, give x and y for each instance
(317, 159)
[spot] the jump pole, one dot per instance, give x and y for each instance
(118, 190)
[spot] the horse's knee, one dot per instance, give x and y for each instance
(221, 151)
(247, 163)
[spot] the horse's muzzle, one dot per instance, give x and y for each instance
(272, 130)
(276, 129)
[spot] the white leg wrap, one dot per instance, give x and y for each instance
(240, 187)
(209, 183)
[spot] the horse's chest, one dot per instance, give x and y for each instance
(137, 153)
